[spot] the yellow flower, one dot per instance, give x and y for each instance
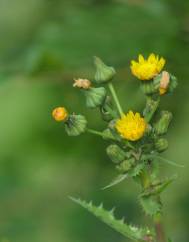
(60, 114)
(131, 126)
(147, 69)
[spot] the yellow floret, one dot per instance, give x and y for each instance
(147, 69)
(131, 126)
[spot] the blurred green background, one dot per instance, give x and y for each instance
(44, 44)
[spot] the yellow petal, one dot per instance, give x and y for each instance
(152, 58)
(141, 59)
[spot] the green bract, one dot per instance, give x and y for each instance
(95, 96)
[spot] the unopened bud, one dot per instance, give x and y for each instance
(164, 82)
(162, 124)
(115, 153)
(161, 145)
(60, 114)
(103, 73)
(125, 165)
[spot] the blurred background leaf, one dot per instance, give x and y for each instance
(44, 45)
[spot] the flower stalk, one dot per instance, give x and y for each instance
(116, 100)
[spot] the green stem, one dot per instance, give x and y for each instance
(157, 219)
(160, 234)
(114, 95)
(92, 131)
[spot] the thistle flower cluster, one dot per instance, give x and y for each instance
(136, 140)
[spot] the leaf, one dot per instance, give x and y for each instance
(150, 205)
(116, 181)
(132, 232)
(135, 171)
(173, 163)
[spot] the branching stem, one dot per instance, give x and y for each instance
(116, 100)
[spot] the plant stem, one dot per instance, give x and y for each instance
(157, 219)
(160, 234)
(114, 95)
(92, 131)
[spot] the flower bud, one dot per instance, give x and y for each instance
(75, 125)
(60, 114)
(165, 83)
(82, 83)
(115, 153)
(125, 165)
(161, 145)
(95, 96)
(103, 73)
(162, 125)
(151, 107)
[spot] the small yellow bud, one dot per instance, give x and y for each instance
(82, 83)
(60, 114)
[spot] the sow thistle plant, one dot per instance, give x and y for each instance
(135, 140)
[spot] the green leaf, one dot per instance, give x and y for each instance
(168, 161)
(116, 181)
(132, 232)
(150, 205)
(135, 171)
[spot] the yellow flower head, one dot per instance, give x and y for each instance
(131, 126)
(147, 69)
(60, 114)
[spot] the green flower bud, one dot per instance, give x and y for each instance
(115, 153)
(162, 125)
(151, 107)
(95, 96)
(148, 87)
(126, 165)
(75, 125)
(103, 73)
(161, 145)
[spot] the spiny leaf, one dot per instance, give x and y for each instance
(132, 232)
(170, 162)
(150, 205)
(117, 180)
(135, 171)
